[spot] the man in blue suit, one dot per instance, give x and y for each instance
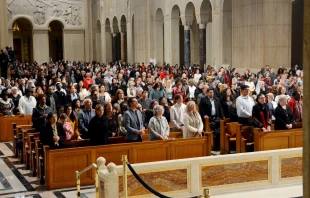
(133, 122)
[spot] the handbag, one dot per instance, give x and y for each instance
(257, 123)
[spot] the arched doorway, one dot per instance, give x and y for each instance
(188, 28)
(177, 37)
(123, 39)
(205, 34)
(133, 37)
(116, 38)
(159, 37)
(227, 33)
(23, 40)
(55, 37)
(108, 41)
(98, 42)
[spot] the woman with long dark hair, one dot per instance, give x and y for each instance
(73, 120)
(261, 114)
(53, 134)
(226, 100)
(98, 127)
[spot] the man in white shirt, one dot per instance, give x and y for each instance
(244, 105)
(177, 113)
(27, 103)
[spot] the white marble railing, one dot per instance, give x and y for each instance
(221, 174)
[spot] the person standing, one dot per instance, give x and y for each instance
(133, 122)
(40, 113)
(244, 105)
(177, 113)
(27, 103)
(296, 106)
(98, 128)
(284, 115)
(84, 118)
(158, 125)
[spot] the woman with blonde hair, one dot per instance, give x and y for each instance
(193, 126)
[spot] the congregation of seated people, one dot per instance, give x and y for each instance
(90, 100)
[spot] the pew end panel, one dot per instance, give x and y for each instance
(279, 139)
(113, 153)
(7, 127)
(61, 164)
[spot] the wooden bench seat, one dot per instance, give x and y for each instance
(60, 164)
(6, 134)
(278, 139)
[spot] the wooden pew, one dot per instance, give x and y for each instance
(208, 129)
(278, 139)
(25, 146)
(6, 134)
(234, 132)
(19, 141)
(60, 164)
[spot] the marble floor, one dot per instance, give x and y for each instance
(17, 182)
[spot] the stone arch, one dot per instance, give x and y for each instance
(55, 37)
(189, 13)
(227, 32)
(11, 22)
(98, 45)
(60, 20)
(159, 36)
(177, 36)
(116, 38)
(133, 37)
(204, 17)
(123, 43)
(107, 40)
(22, 30)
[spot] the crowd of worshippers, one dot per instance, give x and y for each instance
(89, 100)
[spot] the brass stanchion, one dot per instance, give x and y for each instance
(78, 184)
(97, 181)
(124, 159)
(206, 193)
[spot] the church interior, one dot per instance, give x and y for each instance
(140, 49)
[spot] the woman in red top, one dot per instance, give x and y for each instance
(88, 81)
(179, 90)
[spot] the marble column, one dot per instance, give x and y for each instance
(123, 46)
(306, 101)
(4, 34)
(187, 45)
(41, 46)
(202, 47)
(115, 47)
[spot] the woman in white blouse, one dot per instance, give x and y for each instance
(83, 93)
(197, 76)
(131, 90)
(27, 103)
(193, 126)
(104, 94)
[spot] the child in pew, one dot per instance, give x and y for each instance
(63, 119)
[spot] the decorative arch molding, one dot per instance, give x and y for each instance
(56, 19)
(29, 18)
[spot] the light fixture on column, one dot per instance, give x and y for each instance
(15, 27)
(49, 28)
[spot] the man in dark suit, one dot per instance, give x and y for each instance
(210, 107)
(60, 94)
(133, 122)
(52, 99)
(22, 86)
